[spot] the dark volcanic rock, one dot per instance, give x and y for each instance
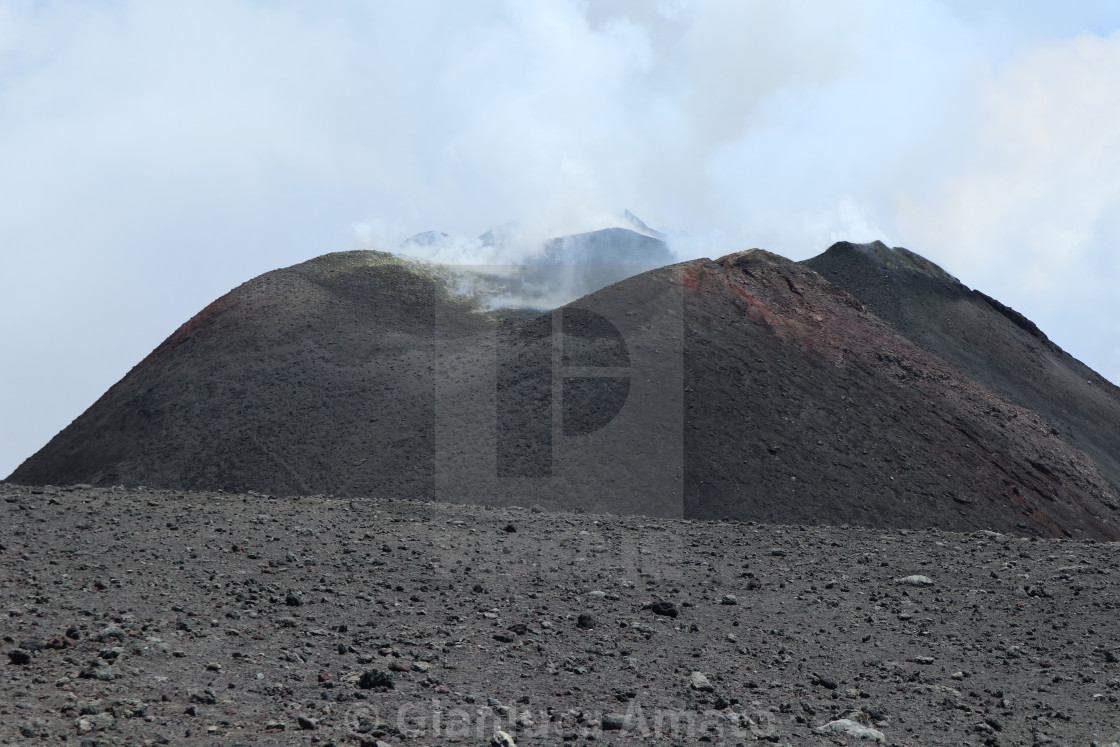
(375, 678)
(836, 633)
(16, 656)
(747, 388)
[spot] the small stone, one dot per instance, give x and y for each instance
(729, 599)
(307, 723)
(586, 621)
(293, 600)
(826, 682)
(94, 722)
(375, 678)
(699, 681)
(112, 632)
(509, 528)
(501, 739)
(206, 697)
(129, 708)
(666, 609)
(916, 580)
(400, 666)
(851, 729)
(503, 637)
(111, 654)
(16, 656)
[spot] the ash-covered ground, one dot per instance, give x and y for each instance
(135, 616)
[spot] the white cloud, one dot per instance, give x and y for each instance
(1028, 211)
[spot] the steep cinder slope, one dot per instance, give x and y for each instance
(748, 388)
(309, 379)
(806, 408)
(986, 340)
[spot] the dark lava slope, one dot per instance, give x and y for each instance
(746, 388)
(807, 406)
(985, 339)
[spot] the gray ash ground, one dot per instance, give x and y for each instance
(134, 616)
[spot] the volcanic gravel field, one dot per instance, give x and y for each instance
(136, 616)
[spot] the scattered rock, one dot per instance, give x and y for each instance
(206, 697)
(729, 599)
(666, 609)
(699, 681)
(916, 580)
(374, 679)
(307, 723)
(293, 600)
(826, 682)
(16, 656)
(113, 632)
(94, 722)
(851, 728)
(419, 618)
(501, 739)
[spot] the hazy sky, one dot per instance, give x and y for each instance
(154, 155)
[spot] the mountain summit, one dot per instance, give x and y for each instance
(864, 386)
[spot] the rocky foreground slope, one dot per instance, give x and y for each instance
(865, 386)
(160, 617)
